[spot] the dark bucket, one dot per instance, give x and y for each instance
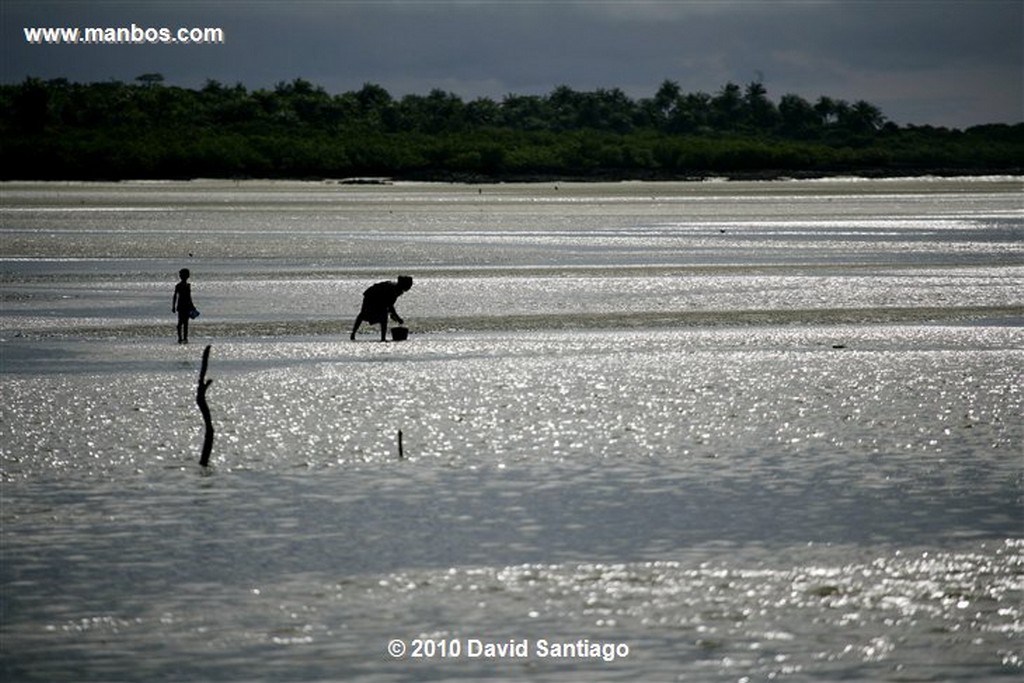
(399, 333)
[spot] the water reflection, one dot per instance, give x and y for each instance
(606, 443)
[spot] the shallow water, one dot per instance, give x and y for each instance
(786, 450)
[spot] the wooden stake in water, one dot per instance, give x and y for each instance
(204, 408)
(401, 455)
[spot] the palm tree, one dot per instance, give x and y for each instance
(863, 117)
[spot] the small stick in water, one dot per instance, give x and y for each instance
(204, 384)
(401, 455)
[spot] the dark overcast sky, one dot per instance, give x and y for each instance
(941, 62)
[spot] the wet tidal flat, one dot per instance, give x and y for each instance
(650, 432)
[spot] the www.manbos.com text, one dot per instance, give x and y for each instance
(123, 35)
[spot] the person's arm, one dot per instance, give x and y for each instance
(174, 301)
(393, 294)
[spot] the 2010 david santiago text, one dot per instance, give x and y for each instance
(513, 648)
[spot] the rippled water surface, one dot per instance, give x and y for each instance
(664, 432)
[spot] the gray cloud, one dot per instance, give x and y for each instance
(944, 62)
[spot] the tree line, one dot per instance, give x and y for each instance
(57, 129)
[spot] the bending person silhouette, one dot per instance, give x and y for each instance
(379, 303)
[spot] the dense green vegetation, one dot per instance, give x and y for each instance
(61, 130)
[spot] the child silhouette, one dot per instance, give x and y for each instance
(181, 303)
